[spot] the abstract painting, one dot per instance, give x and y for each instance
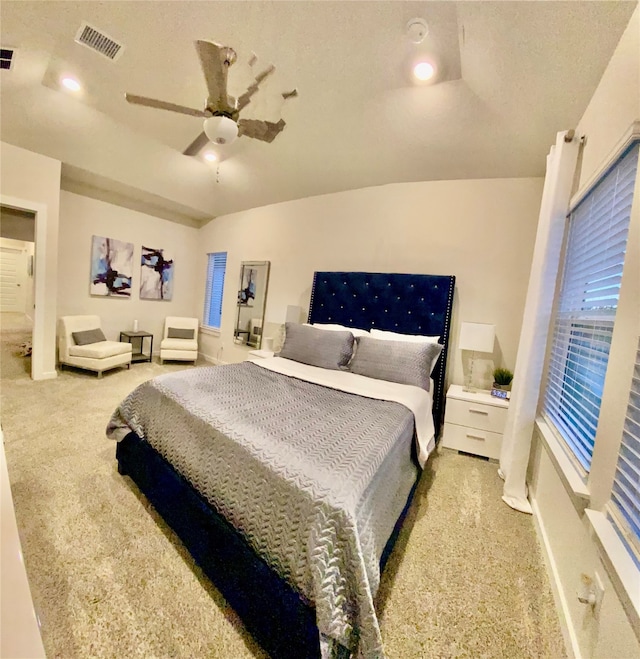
(247, 285)
(156, 275)
(111, 267)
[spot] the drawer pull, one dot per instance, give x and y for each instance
(479, 411)
(476, 437)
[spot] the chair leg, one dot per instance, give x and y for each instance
(99, 374)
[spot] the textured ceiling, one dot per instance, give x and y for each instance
(511, 75)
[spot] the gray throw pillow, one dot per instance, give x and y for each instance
(395, 361)
(317, 347)
(87, 337)
(178, 333)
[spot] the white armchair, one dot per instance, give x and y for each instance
(81, 343)
(179, 339)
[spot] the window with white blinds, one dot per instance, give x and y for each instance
(216, 268)
(586, 307)
(625, 495)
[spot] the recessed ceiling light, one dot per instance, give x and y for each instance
(210, 156)
(71, 83)
(424, 71)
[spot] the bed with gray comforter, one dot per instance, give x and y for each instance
(313, 477)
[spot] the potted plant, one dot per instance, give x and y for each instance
(502, 378)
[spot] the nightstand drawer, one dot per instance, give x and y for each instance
(471, 440)
(476, 415)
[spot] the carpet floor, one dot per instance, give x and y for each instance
(110, 579)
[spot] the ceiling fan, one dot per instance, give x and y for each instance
(221, 113)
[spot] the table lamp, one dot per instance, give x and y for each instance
(476, 337)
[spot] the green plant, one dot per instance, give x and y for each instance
(502, 376)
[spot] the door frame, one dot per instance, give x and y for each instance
(40, 348)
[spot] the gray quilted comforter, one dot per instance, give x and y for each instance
(314, 478)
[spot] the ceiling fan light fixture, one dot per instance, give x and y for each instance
(220, 129)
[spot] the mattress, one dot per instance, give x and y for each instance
(312, 476)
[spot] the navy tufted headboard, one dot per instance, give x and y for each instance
(410, 304)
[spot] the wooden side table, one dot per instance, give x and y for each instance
(136, 339)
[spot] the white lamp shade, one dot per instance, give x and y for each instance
(220, 130)
(479, 337)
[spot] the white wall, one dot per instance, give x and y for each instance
(573, 551)
(80, 219)
(32, 181)
(482, 231)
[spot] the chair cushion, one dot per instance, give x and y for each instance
(89, 336)
(178, 344)
(100, 350)
(180, 333)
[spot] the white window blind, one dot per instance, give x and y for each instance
(625, 495)
(216, 269)
(586, 308)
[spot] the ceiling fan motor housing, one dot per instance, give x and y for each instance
(220, 129)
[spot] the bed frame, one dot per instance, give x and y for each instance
(275, 615)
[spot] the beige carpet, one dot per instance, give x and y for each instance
(109, 579)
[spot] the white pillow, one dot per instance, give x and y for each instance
(341, 328)
(394, 336)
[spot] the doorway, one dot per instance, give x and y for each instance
(17, 290)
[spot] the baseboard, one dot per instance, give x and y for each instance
(211, 360)
(566, 622)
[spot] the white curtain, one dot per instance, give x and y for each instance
(516, 445)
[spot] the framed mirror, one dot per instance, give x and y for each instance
(252, 300)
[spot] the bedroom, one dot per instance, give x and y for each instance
(474, 226)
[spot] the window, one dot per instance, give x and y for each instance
(586, 307)
(216, 268)
(625, 495)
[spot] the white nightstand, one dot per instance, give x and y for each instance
(259, 354)
(474, 422)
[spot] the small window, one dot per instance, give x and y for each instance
(216, 268)
(586, 307)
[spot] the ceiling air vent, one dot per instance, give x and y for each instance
(7, 57)
(93, 38)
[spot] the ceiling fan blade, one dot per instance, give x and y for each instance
(163, 105)
(243, 100)
(215, 61)
(197, 145)
(266, 131)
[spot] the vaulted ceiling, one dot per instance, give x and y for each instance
(511, 74)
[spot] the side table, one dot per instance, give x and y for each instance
(474, 422)
(136, 339)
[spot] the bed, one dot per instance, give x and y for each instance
(294, 523)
